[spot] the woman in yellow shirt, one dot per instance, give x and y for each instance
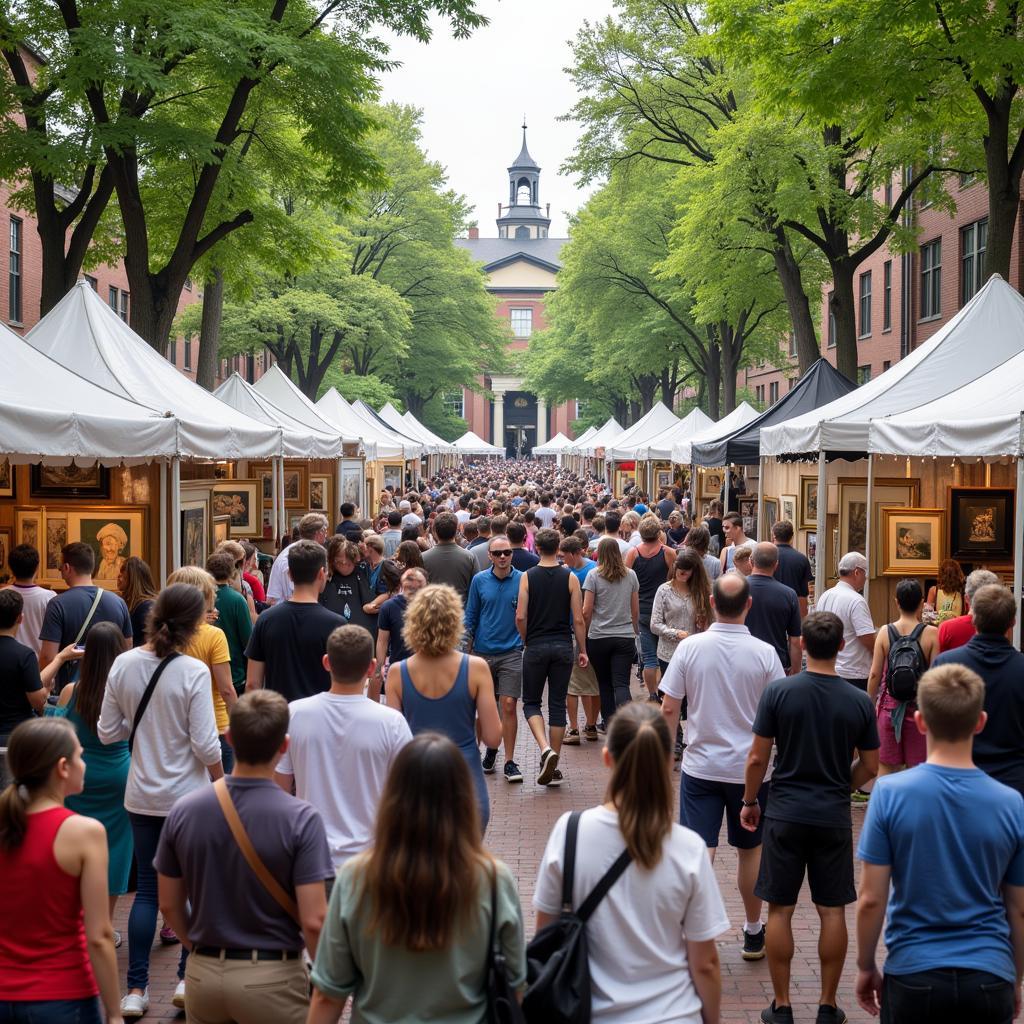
(210, 646)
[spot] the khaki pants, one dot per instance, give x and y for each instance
(225, 991)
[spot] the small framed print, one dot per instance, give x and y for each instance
(5, 547)
(808, 503)
(981, 524)
(912, 541)
(195, 526)
(748, 511)
(239, 500)
(6, 485)
(295, 487)
(113, 532)
(69, 481)
(771, 516)
(55, 527)
(319, 488)
(711, 484)
(663, 479)
(221, 529)
(787, 509)
(28, 527)
(812, 550)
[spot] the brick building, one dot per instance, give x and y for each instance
(902, 300)
(521, 265)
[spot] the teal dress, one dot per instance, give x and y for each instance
(106, 775)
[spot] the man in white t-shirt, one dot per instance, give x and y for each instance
(722, 673)
(23, 561)
(312, 526)
(853, 663)
(409, 518)
(545, 515)
(342, 745)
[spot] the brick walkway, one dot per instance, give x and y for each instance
(521, 820)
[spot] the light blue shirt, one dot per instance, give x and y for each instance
(491, 612)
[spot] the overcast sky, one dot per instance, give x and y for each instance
(474, 94)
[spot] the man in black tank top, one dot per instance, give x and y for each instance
(550, 610)
(653, 564)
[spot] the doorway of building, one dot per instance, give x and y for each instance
(520, 424)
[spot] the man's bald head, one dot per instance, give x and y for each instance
(731, 597)
(765, 558)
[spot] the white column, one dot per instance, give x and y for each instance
(175, 513)
(275, 503)
(498, 434)
(542, 421)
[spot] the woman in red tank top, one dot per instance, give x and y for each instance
(53, 884)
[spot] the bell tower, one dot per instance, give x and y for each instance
(522, 218)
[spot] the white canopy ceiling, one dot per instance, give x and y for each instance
(431, 438)
(407, 424)
(659, 446)
(986, 333)
(332, 407)
(300, 440)
(604, 435)
(658, 419)
(412, 448)
(48, 412)
(682, 448)
(582, 439)
(84, 334)
(557, 445)
(473, 444)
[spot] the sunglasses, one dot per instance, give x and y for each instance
(501, 554)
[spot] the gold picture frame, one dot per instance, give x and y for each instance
(195, 531)
(892, 492)
(711, 483)
(912, 541)
(28, 527)
(319, 492)
(787, 509)
(7, 486)
(221, 529)
(55, 532)
(808, 503)
(239, 499)
(114, 532)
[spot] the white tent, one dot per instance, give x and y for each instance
(682, 448)
(659, 446)
(986, 333)
(410, 426)
(581, 440)
(429, 435)
(603, 436)
(48, 412)
(558, 445)
(376, 443)
(658, 419)
(413, 449)
(84, 334)
(473, 444)
(301, 441)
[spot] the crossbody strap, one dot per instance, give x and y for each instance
(252, 858)
(569, 868)
(600, 890)
(92, 611)
(147, 697)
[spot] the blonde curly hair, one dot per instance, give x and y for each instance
(433, 621)
(196, 577)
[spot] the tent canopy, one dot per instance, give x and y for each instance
(406, 423)
(301, 441)
(557, 445)
(582, 439)
(659, 446)
(821, 384)
(986, 333)
(601, 438)
(48, 412)
(412, 449)
(656, 420)
(377, 444)
(473, 444)
(682, 449)
(84, 334)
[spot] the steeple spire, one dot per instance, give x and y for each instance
(522, 218)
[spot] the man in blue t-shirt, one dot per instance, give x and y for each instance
(951, 840)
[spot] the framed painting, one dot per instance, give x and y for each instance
(771, 516)
(808, 503)
(69, 481)
(394, 476)
(55, 528)
(912, 541)
(266, 479)
(981, 524)
(319, 489)
(711, 484)
(352, 483)
(240, 500)
(5, 546)
(113, 532)
(853, 512)
(787, 508)
(135, 485)
(812, 550)
(221, 529)
(28, 527)
(6, 484)
(663, 479)
(748, 510)
(195, 520)
(294, 487)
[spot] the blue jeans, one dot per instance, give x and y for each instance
(52, 1011)
(947, 995)
(146, 831)
(227, 755)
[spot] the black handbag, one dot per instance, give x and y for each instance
(557, 960)
(502, 1004)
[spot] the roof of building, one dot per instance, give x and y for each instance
(498, 252)
(524, 160)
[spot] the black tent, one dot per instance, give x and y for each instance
(821, 384)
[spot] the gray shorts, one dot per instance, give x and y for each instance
(507, 672)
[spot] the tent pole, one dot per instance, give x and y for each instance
(163, 521)
(761, 533)
(819, 553)
(175, 512)
(1018, 549)
(275, 503)
(868, 539)
(337, 490)
(283, 528)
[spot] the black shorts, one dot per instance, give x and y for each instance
(789, 848)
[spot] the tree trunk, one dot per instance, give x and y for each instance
(414, 403)
(844, 311)
(731, 349)
(634, 412)
(713, 377)
(1003, 194)
(620, 410)
(209, 330)
(668, 387)
(646, 384)
(788, 271)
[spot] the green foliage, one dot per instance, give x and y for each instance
(441, 421)
(371, 389)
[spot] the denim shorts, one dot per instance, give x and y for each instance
(648, 647)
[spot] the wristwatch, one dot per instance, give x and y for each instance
(753, 803)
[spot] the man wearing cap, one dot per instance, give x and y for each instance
(409, 518)
(853, 663)
(112, 540)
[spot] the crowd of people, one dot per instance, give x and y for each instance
(294, 770)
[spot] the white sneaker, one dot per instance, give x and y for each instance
(133, 1005)
(178, 999)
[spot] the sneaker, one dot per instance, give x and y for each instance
(777, 1014)
(548, 764)
(178, 999)
(602, 727)
(490, 759)
(590, 732)
(753, 945)
(654, 698)
(167, 936)
(512, 772)
(858, 796)
(571, 738)
(830, 1015)
(134, 1005)
(117, 940)
(556, 778)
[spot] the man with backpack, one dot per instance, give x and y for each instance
(903, 651)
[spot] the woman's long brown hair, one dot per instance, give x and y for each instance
(139, 585)
(609, 560)
(699, 587)
(420, 881)
(103, 643)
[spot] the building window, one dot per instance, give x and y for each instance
(173, 354)
(188, 284)
(887, 296)
(792, 383)
(454, 403)
(773, 392)
(188, 353)
(831, 321)
(792, 344)
(865, 304)
(863, 374)
(92, 282)
(973, 239)
(886, 365)
(759, 393)
(965, 179)
(580, 409)
(124, 306)
(14, 310)
(112, 298)
(522, 322)
(931, 279)
(888, 195)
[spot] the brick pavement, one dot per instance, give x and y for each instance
(521, 820)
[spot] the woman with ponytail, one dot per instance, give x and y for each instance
(57, 942)
(652, 938)
(174, 750)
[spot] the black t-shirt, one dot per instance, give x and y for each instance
(714, 525)
(19, 674)
(350, 528)
(346, 595)
(774, 614)
(391, 619)
(290, 639)
(138, 617)
(794, 569)
(817, 722)
(666, 507)
(677, 535)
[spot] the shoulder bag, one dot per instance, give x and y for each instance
(147, 697)
(502, 1005)
(557, 960)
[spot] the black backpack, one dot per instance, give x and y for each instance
(905, 665)
(557, 960)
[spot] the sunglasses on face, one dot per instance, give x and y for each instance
(501, 554)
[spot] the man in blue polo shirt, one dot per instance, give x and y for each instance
(491, 627)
